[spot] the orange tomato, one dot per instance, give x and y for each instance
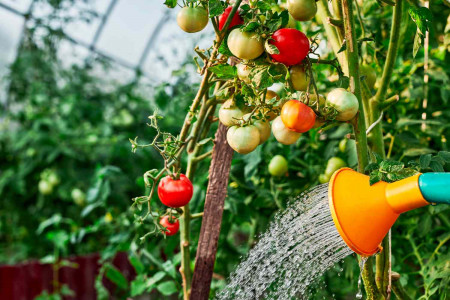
(297, 116)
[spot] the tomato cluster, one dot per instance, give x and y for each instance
(263, 38)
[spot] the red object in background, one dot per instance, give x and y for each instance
(236, 20)
(28, 280)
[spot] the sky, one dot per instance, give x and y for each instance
(125, 35)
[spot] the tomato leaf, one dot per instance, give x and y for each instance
(171, 3)
(343, 47)
(167, 288)
(263, 5)
(113, 274)
(215, 8)
(270, 48)
(445, 155)
(251, 26)
(224, 71)
(223, 49)
(137, 264)
(425, 161)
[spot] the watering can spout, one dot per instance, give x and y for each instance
(435, 187)
(363, 214)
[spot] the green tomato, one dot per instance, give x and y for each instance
(343, 145)
(334, 164)
(299, 78)
(243, 139)
(302, 10)
(79, 197)
(282, 134)
(45, 188)
(344, 102)
(53, 179)
(229, 113)
(243, 72)
(323, 178)
(192, 19)
(278, 166)
(263, 128)
(370, 75)
(245, 45)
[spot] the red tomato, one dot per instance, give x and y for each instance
(171, 225)
(297, 116)
(236, 20)
(292, 44)
(175, 193)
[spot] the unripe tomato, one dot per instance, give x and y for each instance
(324, 178)
(334, 164)
(263, 128)
(229, 113)
(243, 139)
(302, 10)
(172, 225)
(245, 45)
(297, 116)
(282, 134)
(344, 102)
(236, 20)
(343, 145)
(53, 178)
(192, 19)
(370, 75)
(299, 78)
(108, 217)
(318, 123)
(292, 44)
(243, 72)
(79, 197)
(278, 166)
(45, 188)
(276, 109)
(175, 192)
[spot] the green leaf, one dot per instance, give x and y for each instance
(113, 274)
(371, 167)
(436, 167)
(374, 177)
(343, 47)
(418, 151)
(391, 166)
(270, 48)
(215, 8)
(424, 161)
(137, 264)
(223, 49)
(251, 26)
(170, 268)
(417, 43)
(167, 288)
(263, 5)
(224, 71)
(138, 285)
(445, 156)
(171, 3)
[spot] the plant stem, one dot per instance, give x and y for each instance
(332, 35)
(383, 261)
(359, 126)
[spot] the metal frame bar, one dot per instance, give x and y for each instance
(92, 46)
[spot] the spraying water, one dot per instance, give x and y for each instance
(300, 245)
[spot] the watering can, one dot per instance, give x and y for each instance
(364, 214)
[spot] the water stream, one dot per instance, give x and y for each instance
(300, 245)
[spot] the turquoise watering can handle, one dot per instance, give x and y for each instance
(435, 187)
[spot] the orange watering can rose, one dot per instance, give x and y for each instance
(363, 214)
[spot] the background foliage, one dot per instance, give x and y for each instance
(69, 121)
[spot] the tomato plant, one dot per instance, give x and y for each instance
(192, 19)
(297, 116)
(235, 21)
(278, 166)
(244, 139)
(302, 10)
(175, 192)
(170, 224)
(245, 45)
(344, 102)
(292, 45)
